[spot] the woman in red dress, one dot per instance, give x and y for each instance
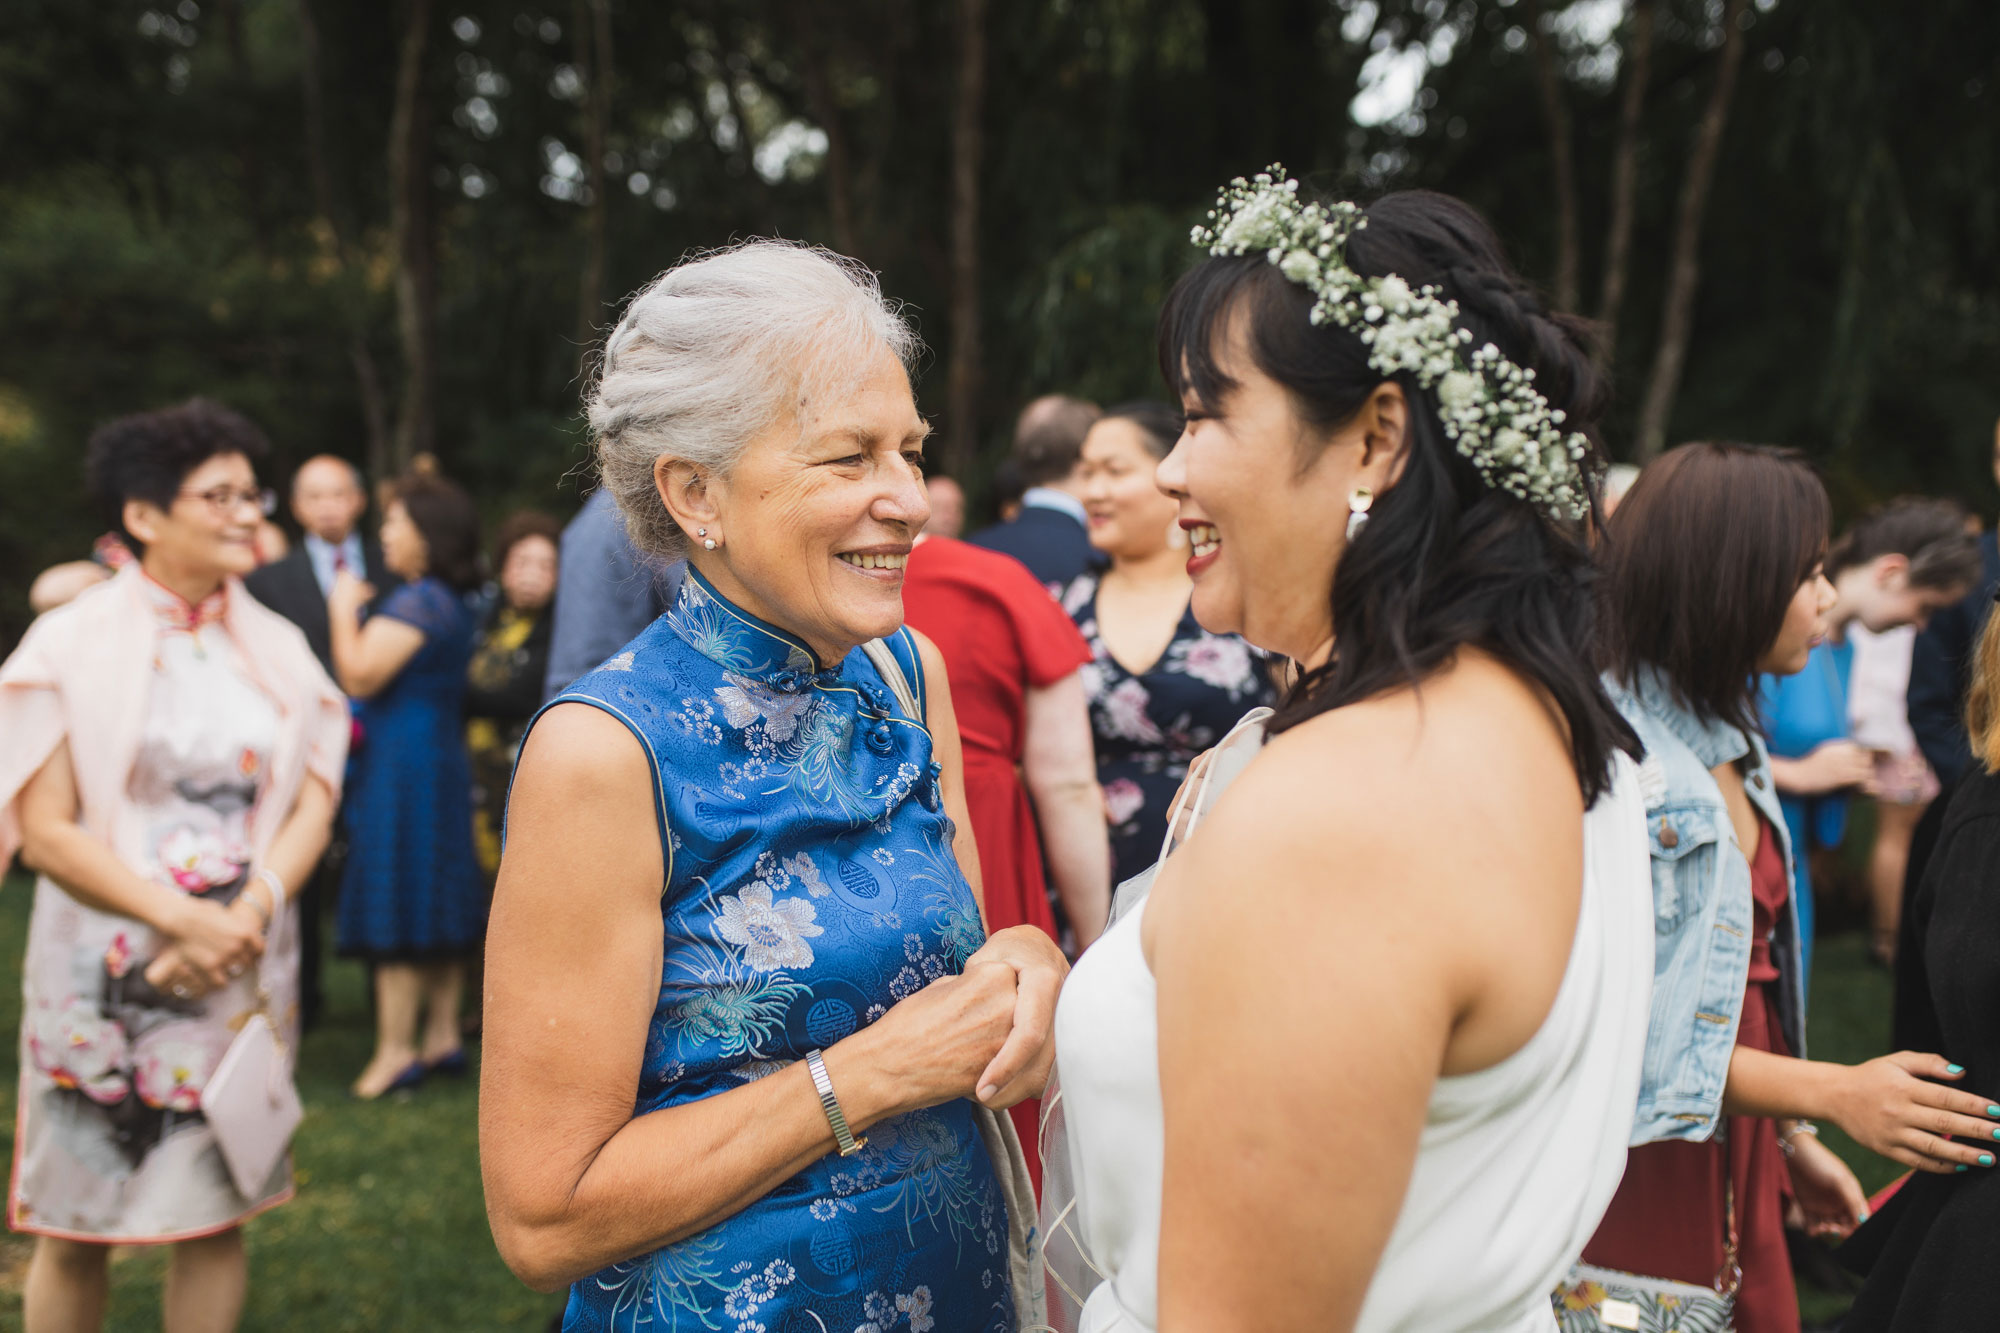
(1013, 655)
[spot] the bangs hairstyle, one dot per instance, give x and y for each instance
(1159, 426)
(1446, 561)
(1702, 558)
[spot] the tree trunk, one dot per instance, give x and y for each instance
(416, 260)
(1638, 64)
(961, 437)
(815, 73)
(1555, 115)
(1684, 272)
(368, 379)
(593, 49)
(246, 151)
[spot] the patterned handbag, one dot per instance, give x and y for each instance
(1595, 1300)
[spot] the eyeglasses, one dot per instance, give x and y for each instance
(226, 500)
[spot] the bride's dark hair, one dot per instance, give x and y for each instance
(1446, 561)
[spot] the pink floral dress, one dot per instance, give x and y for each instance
(1150, 726)
(111, 1142)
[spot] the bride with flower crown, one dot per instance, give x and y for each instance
(1365, 1055)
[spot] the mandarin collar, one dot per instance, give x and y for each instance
(175, 612)
(1713, 741)
(739, 642)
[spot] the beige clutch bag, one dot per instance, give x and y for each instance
(250, 1101)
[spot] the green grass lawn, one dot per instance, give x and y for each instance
(389, 1230)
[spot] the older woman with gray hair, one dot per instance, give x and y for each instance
(745, 1033)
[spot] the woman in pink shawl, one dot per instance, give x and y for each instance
(172, 758)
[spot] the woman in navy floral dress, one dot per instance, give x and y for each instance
(740, 994)
(1162, 689)
(412, 901)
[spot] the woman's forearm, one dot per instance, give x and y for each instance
(1078, 847)
(90, 872)
(1781, 1087)
(54, 844)
(1793, 777)
(302, 839)
(1059, 764)
(343, 624)
(665, 1176)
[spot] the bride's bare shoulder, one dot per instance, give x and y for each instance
(1472, 722)
(1404, 778)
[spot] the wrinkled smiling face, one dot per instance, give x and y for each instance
(817, 519)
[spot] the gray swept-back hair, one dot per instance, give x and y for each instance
(714, 351)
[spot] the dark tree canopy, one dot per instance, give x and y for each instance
(198, 199)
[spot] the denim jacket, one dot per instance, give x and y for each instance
(1702, 911)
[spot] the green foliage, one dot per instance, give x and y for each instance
(161, 231)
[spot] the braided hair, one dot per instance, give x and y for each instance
(1446, 561)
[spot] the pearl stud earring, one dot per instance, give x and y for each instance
(1357, 510)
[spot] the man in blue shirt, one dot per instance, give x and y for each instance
(1049, 535)
(606, 592)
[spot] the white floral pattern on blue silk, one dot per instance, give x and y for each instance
(811, 884)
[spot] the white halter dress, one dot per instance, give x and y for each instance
(1515, 1165)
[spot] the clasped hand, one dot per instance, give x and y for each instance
(211, 947)
(987, 1033)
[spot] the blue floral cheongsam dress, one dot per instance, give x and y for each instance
(811, 885)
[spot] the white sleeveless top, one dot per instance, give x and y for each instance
(1515, 1166)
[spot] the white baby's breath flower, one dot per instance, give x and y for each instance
(1299, 266)
(1393, 293)
(1489, 408)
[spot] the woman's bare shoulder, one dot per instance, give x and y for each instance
(581, 750)
(1476, 746)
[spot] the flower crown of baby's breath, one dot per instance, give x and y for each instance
(1489, 406)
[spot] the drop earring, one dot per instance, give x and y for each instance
(1357, 510)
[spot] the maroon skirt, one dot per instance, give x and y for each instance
(1667, 1218)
